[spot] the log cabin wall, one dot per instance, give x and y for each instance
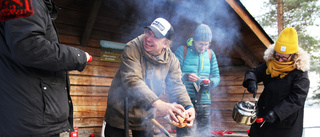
(89, 88)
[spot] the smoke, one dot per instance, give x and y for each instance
(185, 16)
(217, 14)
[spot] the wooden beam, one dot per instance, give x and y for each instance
(90, 22)
(249, 22)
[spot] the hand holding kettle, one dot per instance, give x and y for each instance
(252, 87)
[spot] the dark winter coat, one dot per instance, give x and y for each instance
(34, 84)
(286, 97)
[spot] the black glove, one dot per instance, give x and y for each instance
(252, 87)
(270, 117)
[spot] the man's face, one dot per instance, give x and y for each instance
(201, 46)
(153, 45)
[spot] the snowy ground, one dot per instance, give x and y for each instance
(311, 113)
(311, 122)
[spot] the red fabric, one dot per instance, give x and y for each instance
(221, 132)
(90, 59)
(13, 9)
(172, 131)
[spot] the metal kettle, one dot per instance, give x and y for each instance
(244, 112)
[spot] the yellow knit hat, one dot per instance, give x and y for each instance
(287, 43)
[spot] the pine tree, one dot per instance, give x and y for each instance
(299, 14)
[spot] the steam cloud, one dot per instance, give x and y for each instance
(185, 16)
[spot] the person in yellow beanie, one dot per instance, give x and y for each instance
(286, 85)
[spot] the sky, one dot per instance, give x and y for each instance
(255, 7)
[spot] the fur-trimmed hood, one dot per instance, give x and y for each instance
(301, 58)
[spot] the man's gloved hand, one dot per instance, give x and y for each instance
(252, 87)
(270, 117)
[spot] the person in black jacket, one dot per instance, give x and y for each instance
(34, 83)
(286, 85)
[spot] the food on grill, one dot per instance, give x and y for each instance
(182, 121)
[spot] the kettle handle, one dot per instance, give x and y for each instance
(243, 94)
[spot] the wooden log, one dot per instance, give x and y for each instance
(100, 71)
(90, 80)
(87, 122)
(233, 89)
(67, 39)
(230, 82)
(232, 78)
(233, 97)
(233, 70)
(96, 61)
(89, 101)
(89, 90)
(89, 108)
(96, 114)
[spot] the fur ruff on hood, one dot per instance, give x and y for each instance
(301, 58)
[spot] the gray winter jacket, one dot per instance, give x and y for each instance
(143, 78)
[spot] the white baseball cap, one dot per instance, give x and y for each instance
(161, 28)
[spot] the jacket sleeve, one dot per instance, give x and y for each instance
(176, 89)
(296, 98)
(132, 76)
(31, 45)
(180, 56)
(179, 53)
(214, 71)
(257, 74)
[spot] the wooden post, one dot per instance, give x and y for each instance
(90, 22)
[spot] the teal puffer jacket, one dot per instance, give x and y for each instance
(199, 64)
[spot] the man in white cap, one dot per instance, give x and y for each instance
(148, 68)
